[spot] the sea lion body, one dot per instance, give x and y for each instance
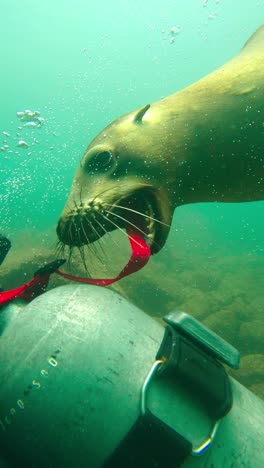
(204, 143)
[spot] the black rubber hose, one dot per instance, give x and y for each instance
(5, 245)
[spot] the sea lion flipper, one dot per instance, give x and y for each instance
(255, 41)
(140, 114)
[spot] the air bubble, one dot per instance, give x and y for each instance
(22, 144)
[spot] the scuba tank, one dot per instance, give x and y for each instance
(87, 379)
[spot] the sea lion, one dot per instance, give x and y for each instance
(203, 144)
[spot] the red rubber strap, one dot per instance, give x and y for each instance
(139, 258)
(28, 291)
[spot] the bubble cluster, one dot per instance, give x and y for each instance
(30, 121)
(31, 118)
(172, 33)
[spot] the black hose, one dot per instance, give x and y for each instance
(5, 245)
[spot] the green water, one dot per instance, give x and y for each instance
(81, 64)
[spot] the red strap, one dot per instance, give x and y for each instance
(139, 258)
(28, 291)
(33, 288)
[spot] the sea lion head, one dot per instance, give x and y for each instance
(186, 148)
(119, 182)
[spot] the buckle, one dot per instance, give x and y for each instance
(192, 355)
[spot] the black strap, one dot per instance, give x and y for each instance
(197, 371)
(150, 444)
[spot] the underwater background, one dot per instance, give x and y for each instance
(76, 66)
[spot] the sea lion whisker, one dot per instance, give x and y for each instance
(75, 204)
(96, 253)
(59, 250)
(81, 202)
(93, 249)
(90, 248)
(77, 229)
(70, 231)
(149, 236)
(98, 238)
(106, 232)
(89, 245)
(91, 254)
(82, 254)
(64, 250)
(137, 212)
(128, 222)
(85, 235)
(70, 255)
(93, 228)
(118, 227)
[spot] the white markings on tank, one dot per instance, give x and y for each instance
(21, 404)
(35, 384)
(52, 361)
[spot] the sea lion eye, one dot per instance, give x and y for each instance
(100, 162)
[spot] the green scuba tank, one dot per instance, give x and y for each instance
(76, 375)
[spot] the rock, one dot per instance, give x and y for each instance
(225, 324)
(251, 370)
(251, 337)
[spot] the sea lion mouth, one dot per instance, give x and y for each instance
(89, 221)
